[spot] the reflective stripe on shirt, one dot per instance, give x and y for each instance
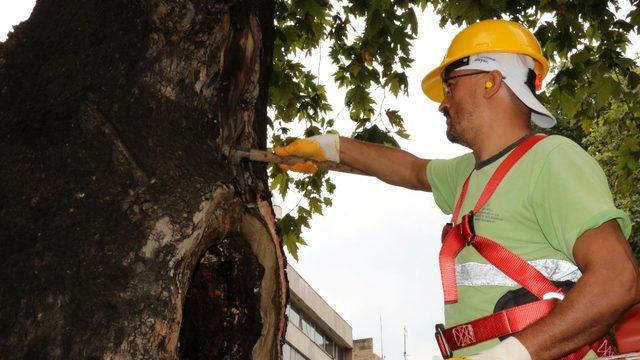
(476, 274)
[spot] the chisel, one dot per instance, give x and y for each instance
(238, 155)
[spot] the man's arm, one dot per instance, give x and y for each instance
(609, 286)
(391, 165)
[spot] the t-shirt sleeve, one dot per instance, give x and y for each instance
(571, 195)
(446, 178)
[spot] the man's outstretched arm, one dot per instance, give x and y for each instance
(609, 286)
(391, 165)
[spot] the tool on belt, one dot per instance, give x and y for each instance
(514, 319)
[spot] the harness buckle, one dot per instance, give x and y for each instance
(445, 230)
(467, 229)
(442, 342)
(553, 295)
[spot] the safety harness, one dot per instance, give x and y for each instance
(455, 236)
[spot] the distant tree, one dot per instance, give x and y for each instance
(615, 143)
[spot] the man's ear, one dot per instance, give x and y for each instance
(492, 83)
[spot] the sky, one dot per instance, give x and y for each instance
(373, 255)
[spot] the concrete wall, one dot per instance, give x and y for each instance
(363, 350)
(305, 298)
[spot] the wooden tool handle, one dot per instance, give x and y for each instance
(265, 156)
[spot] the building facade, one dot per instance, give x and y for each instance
(363, 350)
(315, 331)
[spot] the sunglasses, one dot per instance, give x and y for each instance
(447, 87)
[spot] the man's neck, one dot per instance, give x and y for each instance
(496, 142)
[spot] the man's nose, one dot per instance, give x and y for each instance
(443, 106)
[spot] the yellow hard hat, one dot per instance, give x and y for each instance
(484, 37)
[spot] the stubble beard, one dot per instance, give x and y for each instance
(455, 129)
(452, 136)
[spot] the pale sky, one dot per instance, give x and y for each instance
(374, 253)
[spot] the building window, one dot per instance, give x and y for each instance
(290, 353)
(307, 328)
(329, 346)
(293, 315)
(313, 332)
(319, 338)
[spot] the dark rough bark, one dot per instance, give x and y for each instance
(114, 191)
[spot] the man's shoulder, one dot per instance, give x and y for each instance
(464, 160)
(552, 142)
(558, 154)
(463, 163)
(557, 147)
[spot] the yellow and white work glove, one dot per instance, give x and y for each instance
(510, 349)
(320, 148)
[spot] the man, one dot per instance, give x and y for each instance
(553, 211)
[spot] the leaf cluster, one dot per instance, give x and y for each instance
(369, 46)
(616, 146)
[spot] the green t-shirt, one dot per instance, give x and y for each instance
(548, 199)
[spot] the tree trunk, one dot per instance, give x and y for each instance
(124, 231)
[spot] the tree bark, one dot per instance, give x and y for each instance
(124, 231)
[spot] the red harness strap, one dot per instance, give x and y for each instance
(507, 322)
(486, 328)
(463, 234)
(456, 237)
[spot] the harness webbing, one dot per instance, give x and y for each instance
(509, 321)
(463, 234)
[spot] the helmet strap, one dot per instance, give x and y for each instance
(454, 65)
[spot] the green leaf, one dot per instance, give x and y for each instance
(410, 16)
(403, 134)
(290, 228)
(330, 186)
(634, 17)
(632, 144)
(633, 81)
(292, 242)
(604, 89)
(394, 85)
(280, 182)
(327, 201)
(315, 205)
(569, 104)
(359, 100)
(375, 135)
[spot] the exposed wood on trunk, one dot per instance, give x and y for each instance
(114, 191)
